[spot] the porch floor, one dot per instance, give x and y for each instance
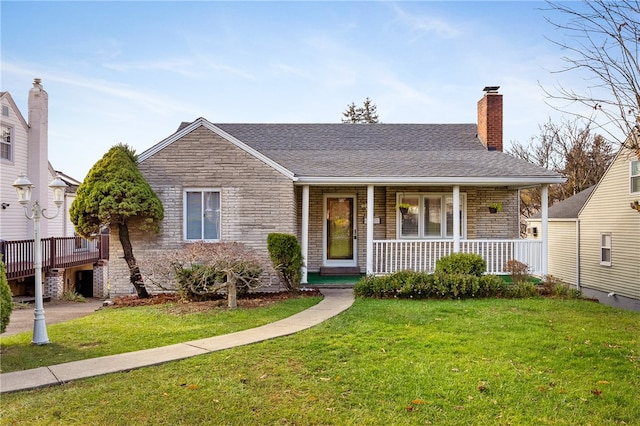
(315, 279)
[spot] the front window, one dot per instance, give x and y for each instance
(202, 215)
(635, 176)
(605, 249)
(5, 143)
(428, 215)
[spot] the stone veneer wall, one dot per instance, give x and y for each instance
(54, 283)
(256, 200)
(101, 279)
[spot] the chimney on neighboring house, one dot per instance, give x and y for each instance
(490, 119)
(38, 145)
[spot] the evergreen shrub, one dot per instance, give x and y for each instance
(286, 257)
(462, 263)
(6, 302)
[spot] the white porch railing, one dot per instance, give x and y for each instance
(390, 256)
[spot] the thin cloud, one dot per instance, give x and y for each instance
(147, 100)
(423, 24)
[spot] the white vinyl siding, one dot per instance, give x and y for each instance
(608, 211)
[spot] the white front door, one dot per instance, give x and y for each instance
(340, 233)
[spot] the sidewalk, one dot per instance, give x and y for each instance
(334, 302)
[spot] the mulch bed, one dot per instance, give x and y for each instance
(178, 306)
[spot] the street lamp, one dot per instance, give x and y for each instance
(23, 188)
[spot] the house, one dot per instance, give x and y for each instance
(593, 236)
(336, 187)
(24, 150)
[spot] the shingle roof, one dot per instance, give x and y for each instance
(382, 150)
(378, 153)
(570, 207)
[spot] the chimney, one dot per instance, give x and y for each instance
(490, 119)
(37, 145)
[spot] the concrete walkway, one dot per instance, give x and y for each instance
(334, 302)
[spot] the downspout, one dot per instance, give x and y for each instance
(578, 253)
(370, 205)
(304, 233)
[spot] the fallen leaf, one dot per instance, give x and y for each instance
(596, 392)
(417, 402)
(409, 408)
(603, 382)
(193, 387)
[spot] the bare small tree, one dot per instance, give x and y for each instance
(603, 40)
(569, 148)
(200, 270)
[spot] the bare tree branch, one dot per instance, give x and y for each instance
(602, 41)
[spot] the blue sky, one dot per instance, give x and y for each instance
(130, 72)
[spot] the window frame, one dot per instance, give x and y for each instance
(4, 143)
(604, 248)
(633, 176)
(202, 192)
(422, 196)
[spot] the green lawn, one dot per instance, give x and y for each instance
(112, 331)
(395, 362)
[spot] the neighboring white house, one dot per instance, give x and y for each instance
(24, 150)
(594, 236)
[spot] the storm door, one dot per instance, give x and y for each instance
(340, 231)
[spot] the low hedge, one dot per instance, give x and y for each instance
(420, 285)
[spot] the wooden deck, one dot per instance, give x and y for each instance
(63, 253)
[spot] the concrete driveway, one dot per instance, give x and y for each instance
(54, 311)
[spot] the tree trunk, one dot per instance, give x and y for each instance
(134, 271)
(232, 292)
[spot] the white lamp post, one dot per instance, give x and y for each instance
(23, 188)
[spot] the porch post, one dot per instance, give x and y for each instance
(304, 233)
(544, 201)
(369, 229)
(456, 218)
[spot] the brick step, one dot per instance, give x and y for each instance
(339, 270)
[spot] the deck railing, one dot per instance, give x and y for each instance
(421, 255)
(57, 252)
